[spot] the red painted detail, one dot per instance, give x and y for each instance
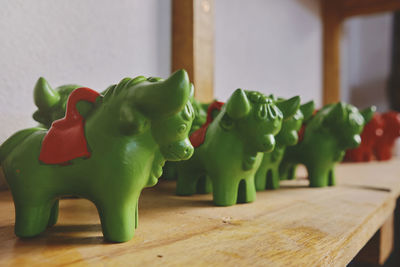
(66, 139)
(391, 131)
(372, 131)
(302, 130)
(301, 133)
(197, 138)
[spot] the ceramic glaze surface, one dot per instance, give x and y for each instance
(131, 131)
(331, 131)
(369, 137)
(391, 131)
(232, 150)
(267, 176)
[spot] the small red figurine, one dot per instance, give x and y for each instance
(391, 130)
(365, 152)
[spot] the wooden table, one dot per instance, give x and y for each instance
(296, 226)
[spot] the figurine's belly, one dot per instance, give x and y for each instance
(111, 173)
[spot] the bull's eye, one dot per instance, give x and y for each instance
(226, 122)
(182, 128)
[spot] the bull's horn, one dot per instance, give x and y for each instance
(368, 113)
(44, 96)
(307, 109)
(238, 105)
(289, 107)
(163, 97)
(337, 113)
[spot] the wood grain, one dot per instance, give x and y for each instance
(379, 247)
(193, 43)
(295, 226)
(332, 27)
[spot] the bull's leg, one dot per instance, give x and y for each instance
(203, 185)
(225, 190)
(32, 218)
(169, 171)
(292, 172)
(287, 171)
(54, 214)
(118, 220)
(272, 179)
(319, 177)
(367, 156)
(187, 181)
(331, 177)
(261, 177)
(246, 191)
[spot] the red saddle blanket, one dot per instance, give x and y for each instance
(66, 139)
(197, 137)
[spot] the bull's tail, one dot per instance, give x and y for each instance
(14, 140)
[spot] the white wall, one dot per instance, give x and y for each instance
(273, 46)
(89, 42)
(366, 51)
(269, 45)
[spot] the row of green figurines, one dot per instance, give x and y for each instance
(260, 129)
(108, 146)
(253, 146)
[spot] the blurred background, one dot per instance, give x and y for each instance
(273, 46)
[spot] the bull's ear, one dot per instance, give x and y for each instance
(289, 107)
(191, 94)
(368, 113)
(130, 122)
(307, 109)
(44, 96)
(163, 97)
(238, 105)
(41, 118)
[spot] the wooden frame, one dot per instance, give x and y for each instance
(193, 43)
(333, 15)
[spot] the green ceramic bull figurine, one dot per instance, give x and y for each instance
(267, 176)
(230, 153)
(127, 137)
(328, 134)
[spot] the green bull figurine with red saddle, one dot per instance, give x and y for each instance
(331, 131)
(107, 157)
(267, 176)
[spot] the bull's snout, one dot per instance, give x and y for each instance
(267, 143)
(292, 138)
(181, 150)
(355, 141)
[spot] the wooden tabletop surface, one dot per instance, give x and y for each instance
(295, 226)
